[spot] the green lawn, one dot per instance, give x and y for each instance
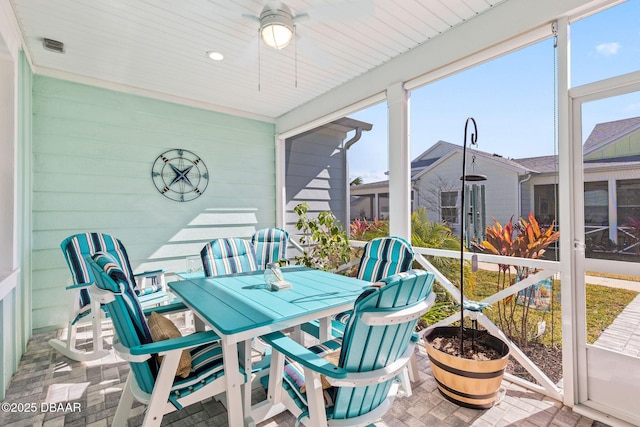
(603, 306)
(613, 276)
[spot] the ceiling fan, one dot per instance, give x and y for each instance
(277, 24)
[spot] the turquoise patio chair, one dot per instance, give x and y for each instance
(270, 245)
(360, 384)
(382, 257)
(150, 288)
(153, 384)
(228, 256)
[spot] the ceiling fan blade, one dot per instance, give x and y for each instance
(273, 4)
(251, 17)
(301, 18)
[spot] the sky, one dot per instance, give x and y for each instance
(512, 97)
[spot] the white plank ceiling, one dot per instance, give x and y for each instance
(161, 45)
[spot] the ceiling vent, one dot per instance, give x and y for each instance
(53, 45)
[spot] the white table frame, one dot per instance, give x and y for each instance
(236, 352)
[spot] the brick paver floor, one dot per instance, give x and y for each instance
(55, 391)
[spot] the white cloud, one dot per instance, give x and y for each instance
(608, 49)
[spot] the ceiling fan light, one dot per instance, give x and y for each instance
(276, 36)
(276, 28)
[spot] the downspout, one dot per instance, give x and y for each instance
(353, 140)
(528, 177)
(347, 196)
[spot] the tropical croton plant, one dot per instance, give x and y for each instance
(524, 239)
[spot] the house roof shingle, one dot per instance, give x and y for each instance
(541, 164)
(605, 131)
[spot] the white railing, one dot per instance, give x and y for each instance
(592, 230)
(544, 269)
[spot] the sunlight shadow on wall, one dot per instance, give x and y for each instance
(213, 223)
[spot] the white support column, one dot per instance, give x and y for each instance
(280, 165)
(399, 162)
(570, 201)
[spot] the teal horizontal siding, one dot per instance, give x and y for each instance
(93, 150)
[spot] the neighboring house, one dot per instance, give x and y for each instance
(436, 184)
(611, 185)
(370, 200)
(317, 171)
(515, 187)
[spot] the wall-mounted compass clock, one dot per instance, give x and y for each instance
(180, 175)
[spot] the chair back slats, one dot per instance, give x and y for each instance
(270, 245)
(385, 257)
(367, 348)
(126, 313)
(228, 256)
(75, 248)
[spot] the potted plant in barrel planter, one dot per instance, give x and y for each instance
(467, 363)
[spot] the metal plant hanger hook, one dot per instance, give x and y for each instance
(473, 140)
(474, 135)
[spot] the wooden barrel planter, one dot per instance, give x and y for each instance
(466, 382)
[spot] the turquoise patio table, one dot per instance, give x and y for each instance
(239, 307)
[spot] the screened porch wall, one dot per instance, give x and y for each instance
(93, 150)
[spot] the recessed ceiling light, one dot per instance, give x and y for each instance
(216, 56)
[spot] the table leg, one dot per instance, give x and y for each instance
(296, 335)
(325, 329)
(199, 324)
(245, 354)
(234, 381)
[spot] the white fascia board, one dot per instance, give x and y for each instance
(504, 22)
(433, 147)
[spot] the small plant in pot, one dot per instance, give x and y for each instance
(468, 364)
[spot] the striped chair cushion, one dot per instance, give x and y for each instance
(75, 248)
(128, 318)
(270, 245)
(384, 257)
(294, 381)
(206, 366)
(227, 256)
(132, 329)
(124, 288)
(149, 289)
